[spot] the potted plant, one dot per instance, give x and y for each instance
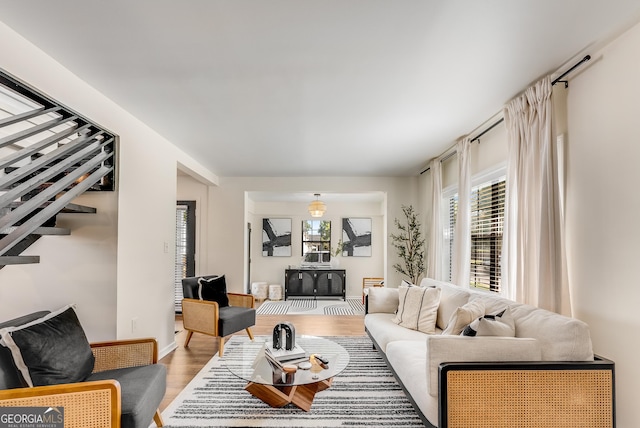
(410, 245)
(335, 253)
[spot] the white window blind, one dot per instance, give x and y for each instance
(487, 221)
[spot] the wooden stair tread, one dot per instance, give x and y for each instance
(18, 260)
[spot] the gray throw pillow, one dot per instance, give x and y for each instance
(50, 350)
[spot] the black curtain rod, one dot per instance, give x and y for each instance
(496, 123)
(499, 121)
(566, 82)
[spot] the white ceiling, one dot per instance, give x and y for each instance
(315, 87)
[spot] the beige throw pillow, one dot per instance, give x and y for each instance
(418, 308)
(451, 298)
(463, 316)
(383, 300)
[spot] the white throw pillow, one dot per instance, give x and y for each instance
(382, 300)
(501, 324)
(418, 308)
(463, 316)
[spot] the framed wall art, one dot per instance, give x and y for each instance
(276, 237)
(356, 237)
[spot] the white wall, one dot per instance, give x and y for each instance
(603, 210)
(118, 270)
(271, 269)
(80, 269)
(229, 212)
(190, 189)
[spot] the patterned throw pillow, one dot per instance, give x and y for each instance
(418, 308)
(501, 324)
(213, 290)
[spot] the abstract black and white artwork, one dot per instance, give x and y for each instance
(276, 237)
(356, 237)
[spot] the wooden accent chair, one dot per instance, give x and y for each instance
(213, 318)
(123, 391)
(370, 282)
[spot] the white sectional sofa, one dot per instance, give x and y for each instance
(545, 375)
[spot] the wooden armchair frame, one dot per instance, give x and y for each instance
(94, 404)
(202, 316)
(370, 282)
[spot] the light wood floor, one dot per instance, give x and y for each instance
(184, 363)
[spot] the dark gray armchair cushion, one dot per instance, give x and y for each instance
(51, 350)
(235, 318)
(142, 389)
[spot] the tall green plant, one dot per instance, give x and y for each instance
(410, 245)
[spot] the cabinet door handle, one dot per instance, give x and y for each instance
(329, 275)
(299, 275)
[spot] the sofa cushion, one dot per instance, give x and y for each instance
(382, 300)
(142, 389)
(214, 290)
(50, 350)
(463, 316)
(418, 308)
(406, 357)
(384, 331)
(451, 298)
(561, 338)
(501, 324)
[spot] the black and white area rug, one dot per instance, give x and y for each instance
(312, 307)
(364, 394)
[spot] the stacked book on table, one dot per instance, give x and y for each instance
(279, 356)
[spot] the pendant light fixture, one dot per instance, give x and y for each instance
(317, 208)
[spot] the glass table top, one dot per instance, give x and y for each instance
(248, 361)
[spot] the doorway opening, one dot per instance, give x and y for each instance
(185, 265)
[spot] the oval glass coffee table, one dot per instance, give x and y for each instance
(278, 388)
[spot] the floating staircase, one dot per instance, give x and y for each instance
(49, 155)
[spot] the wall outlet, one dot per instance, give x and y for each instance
(134, 324)
(166, 247)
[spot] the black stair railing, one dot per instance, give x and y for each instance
(49, 155)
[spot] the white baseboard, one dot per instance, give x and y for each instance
(167, 349)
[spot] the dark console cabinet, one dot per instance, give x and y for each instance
(315, 283)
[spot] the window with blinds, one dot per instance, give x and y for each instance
(185, 248)
(487, 221)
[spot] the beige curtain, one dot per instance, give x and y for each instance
(434, 254)
(462, 234)
(533, 258)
